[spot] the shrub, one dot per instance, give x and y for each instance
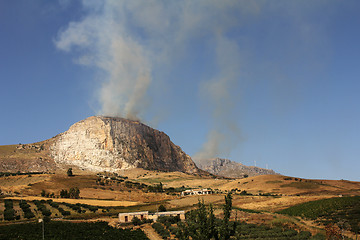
(164, 233)
(40, 205)
(26, 209)
(162, 208)
(169, 219)
(136, 221)
(9, 212)
(69, 172)
(318, 236)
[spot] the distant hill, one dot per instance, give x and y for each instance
(100, 143)
(227, 168)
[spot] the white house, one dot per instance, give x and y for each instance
(196, 192)
(127, 217)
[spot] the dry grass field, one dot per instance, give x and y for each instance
(174, 179)
(272, 204)
(278, 184)
(268, 193)
(289, 190)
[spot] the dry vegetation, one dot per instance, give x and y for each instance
(276, 193)
(291, 190)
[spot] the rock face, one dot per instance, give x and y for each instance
(227, 168)
(109, 144)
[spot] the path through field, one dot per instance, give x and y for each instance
(150, 232)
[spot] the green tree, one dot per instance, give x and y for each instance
(162, 208)
(74, 192)
(199, 224)
(225, 230)
(160, 187)
(212, 223)
(136, 221)
(69, 172)
(64, 193)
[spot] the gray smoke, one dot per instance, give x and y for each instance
(225, 133)
(125, 39)
(101, 39)
(130, 41)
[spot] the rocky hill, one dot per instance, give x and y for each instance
(227, 168)
(101, 144)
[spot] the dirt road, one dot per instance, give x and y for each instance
(150, 232)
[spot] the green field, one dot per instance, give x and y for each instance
(30, 210)
(345, 210)
(67, 230)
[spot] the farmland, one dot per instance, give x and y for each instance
(67, 230)
(260, 204)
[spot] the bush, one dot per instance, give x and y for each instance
(63, 212)
(9, 212)
(164, 233)
(136, 221)
(147, 221)
(173, 230)
(318, 236)
(44, 211)
(304, 235)
(162, 208)
(168, 219)
(69, 172)
(26, 209)
(29, 215)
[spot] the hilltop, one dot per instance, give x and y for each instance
(100, 143)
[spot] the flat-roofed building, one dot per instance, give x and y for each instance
(180, 214)
(196, 192)
(128, 217)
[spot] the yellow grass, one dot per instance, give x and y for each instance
(173, 179)
(272, 204)
(22, 180)
(192, 200)
(277, 185)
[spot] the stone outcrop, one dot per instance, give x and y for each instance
(227, 168)
(110, 144)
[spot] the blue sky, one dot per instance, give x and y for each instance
(271, 82)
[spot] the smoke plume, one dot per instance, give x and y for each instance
(127, 40)
(217, 92)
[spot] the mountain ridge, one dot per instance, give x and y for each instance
(101, 143)
(227, 168)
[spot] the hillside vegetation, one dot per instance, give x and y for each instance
(67, 230)
(345, 210)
